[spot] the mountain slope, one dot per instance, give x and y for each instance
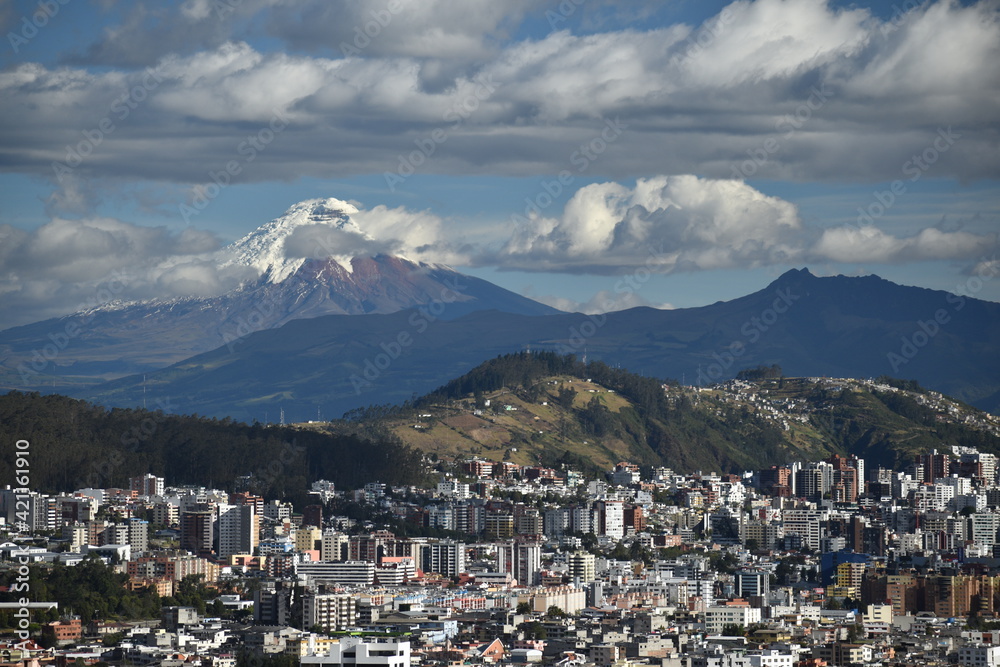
(541, 408)
(838, 327)
(76, 445)
(125, 338)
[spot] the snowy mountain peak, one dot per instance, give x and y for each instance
(264, 248)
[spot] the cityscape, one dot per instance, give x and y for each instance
(810, 563)
(456, 333)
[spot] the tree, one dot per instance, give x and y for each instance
(523, 608)
(218, 609)
(113, 639)
(638, 552)
(533, 630)
(733, 630)
(565, 397)
(555, 612)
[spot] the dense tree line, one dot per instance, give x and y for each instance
(772, 372)
(517, 370)
(905, 385)
(74, 444)
(89, 589)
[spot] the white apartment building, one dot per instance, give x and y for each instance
(612, 514)
(446, 557)
(582, 564)
(984, 527)
(361, 652)
(138, 535)
(147, 485)
(454, 489)
(523, 560)
(716, 618)
(806, 524)
(347, 573)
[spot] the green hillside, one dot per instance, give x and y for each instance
(542, 408)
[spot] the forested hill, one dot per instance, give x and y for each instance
(74, 444)
(543, 408)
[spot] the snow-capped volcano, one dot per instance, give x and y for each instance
(264, 249)
(312, 261)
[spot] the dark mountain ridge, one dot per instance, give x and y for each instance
(833, 326)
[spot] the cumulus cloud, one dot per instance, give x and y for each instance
(986, 267)
(697, 99)
(667, 223)
(319, 241)
(799, 90)
(415, 235)
(686, 223)
(440, 30)
(61, 266)
(870, 244)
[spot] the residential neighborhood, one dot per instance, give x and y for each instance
(809, 564)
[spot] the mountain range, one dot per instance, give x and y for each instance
(326, 321)
(811, 326)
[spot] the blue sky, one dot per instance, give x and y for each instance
(737, 140)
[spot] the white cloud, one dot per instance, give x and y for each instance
(604, 301)
(665, 223)
(696, 98)
(870, 244)
(415, 235)
(686, 223)
(433, 29)
(60, 267)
